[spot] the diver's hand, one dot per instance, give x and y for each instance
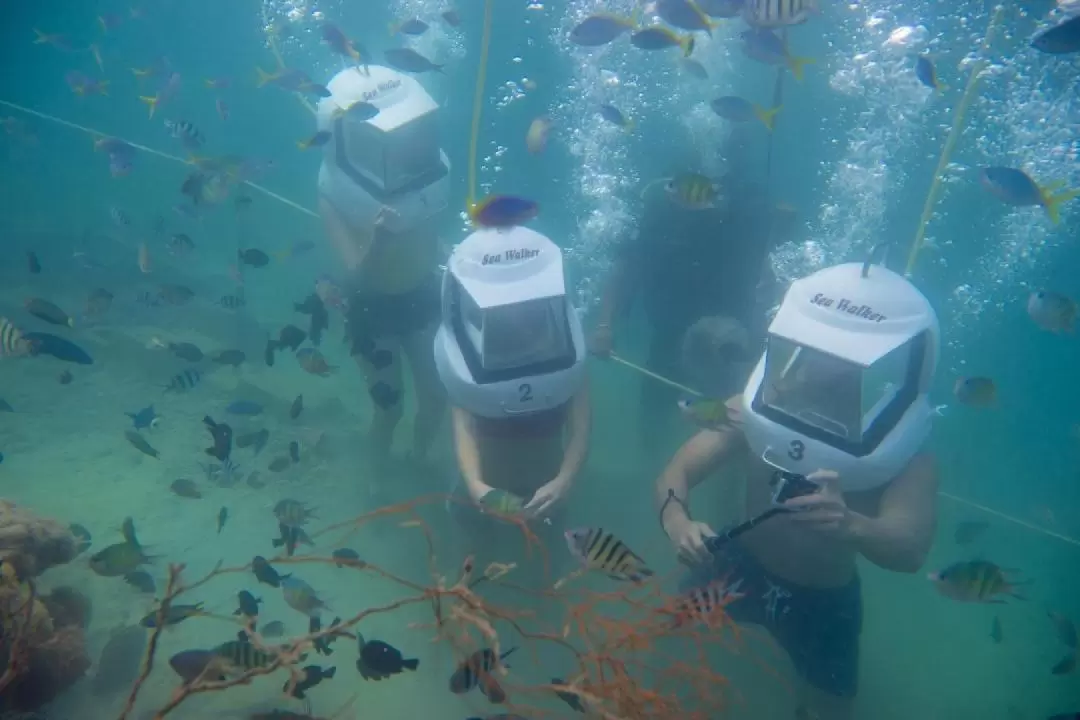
(823, 511)
(688, 537)
(602, 340)
(547, 497)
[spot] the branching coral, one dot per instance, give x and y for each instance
(610, 639)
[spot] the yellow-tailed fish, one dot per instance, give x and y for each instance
(977, 581)
(706, 413)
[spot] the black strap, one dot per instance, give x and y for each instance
(672, 496)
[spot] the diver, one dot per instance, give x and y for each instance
(686, 264)
(383, 188)
(511, 354)
(828, 436)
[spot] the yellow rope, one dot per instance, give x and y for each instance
(478, 101)
(655, 376)
(954, 136)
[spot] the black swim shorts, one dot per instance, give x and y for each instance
(819, 628)
(374, 316)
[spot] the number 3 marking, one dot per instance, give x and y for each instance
(526, 392)
(797, 448)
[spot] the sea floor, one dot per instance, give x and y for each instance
(66, 456)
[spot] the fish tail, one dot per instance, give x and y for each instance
(101, 22)
(1053, 200)
(393, 27)
(103, 87)
(628, 126)
(302, 144)
(152, 102)
(798, 64)
(41, 38)
(262, 77)
(687, 44)
(411, 664)
(767, 117)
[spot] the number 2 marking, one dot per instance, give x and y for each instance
(526, 392)
(796, 450)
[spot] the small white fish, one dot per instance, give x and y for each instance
(1052, 311)
(537, 136)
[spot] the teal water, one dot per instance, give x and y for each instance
(854, 152)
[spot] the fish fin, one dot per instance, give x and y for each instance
(798, 64)
(767, 117)
(687, 44)
(1052, 200)
(152, 102)
(411, 664)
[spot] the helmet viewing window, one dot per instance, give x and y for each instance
(512, 341)
(836, 401)
(388, 162)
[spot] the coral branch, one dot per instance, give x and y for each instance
(614, 665)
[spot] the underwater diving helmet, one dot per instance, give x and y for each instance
(843, 383)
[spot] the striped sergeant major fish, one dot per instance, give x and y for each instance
(778, 13)
(184, 381)
(601, 550)
(479, 669)
(12, 342)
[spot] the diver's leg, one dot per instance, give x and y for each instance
(821, 634)
(430, 394)
(381, 365)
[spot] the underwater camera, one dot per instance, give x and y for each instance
(788, 485)
(785, 485)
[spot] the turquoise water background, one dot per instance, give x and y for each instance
(854, 151)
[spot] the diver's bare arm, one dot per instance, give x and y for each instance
(579, 427)
(899, 538)
(351, 245)
(695, 461)
(467, 450)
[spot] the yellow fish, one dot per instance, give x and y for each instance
(707, 414)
